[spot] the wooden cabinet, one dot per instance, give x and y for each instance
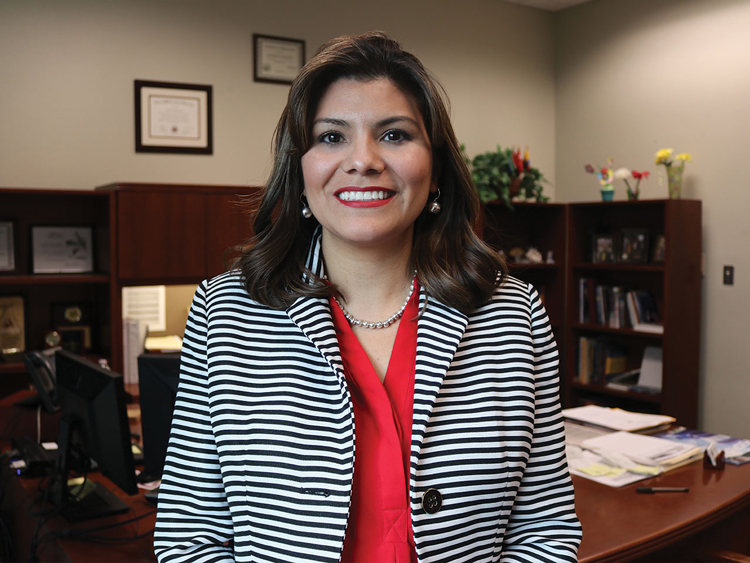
(144, 234)
(675, 284)
(539, 226)
(46, 295)
(172, 234)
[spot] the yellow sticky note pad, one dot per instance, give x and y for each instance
(601, 470)
(645, 469)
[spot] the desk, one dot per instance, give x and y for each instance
(18, 495)
(618, 524)
(621, 525)
(17, 501)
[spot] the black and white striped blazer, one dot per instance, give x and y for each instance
(261, 453)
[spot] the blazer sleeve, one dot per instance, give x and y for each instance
(543, 525)
(193, 522)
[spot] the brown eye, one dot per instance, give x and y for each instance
(331, 138)
(395, 136)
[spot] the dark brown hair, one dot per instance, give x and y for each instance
(453, 264)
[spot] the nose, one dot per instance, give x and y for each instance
(364, 157)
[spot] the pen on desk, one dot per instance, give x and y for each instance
(652, 490)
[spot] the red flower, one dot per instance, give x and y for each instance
(640, 175)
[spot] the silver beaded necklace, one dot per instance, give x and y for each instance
(382, 324)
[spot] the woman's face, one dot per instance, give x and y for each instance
(368, 171)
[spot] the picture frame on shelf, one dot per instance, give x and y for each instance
(75, 339)
(7, 247)
(659, 251)
(172, 117)
(12, 324)
(603, 249)
(634, 246)
(277, 60)
(62, 250)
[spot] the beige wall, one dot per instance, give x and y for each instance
(634, 76)
(67, 71)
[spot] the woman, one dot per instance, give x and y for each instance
(370, 385)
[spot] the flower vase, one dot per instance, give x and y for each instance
(674, 180)
(633, 195)
(608, 195)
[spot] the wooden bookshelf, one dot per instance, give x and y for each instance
(675, 283)
(538, 225)
(144, 234)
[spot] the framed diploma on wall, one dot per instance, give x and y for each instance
(277, 59)
(173, 118)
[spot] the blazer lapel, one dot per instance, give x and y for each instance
(439, 332)
(313, 315)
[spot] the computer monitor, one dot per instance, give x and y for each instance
(93, 426)
(158, 376)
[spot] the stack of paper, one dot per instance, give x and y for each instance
(645, 450)
(736, 450)
(618, 419)
(620, 458)
(133, 336)
(171, 343)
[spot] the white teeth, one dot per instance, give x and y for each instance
(362, 196)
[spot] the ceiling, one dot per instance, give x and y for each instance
(550, 5)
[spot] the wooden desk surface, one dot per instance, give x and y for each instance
(618, 524)
(19, 500)
(622, 525)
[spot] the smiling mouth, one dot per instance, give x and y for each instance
(364, 195)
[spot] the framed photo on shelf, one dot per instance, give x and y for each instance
(7, 247)
(62, 250)
(634, 246)
(277, 59)
(12, 324)
(603, 249)
(76, 339)
(173, 118)
(659, 250)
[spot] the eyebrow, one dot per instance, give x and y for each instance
(381, 123)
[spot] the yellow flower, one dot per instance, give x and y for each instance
(685, 157)
(663, 156)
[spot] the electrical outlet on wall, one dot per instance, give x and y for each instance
(728, 275)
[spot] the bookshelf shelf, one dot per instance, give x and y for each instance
(589, 327)
(54, 279)
(630, 395)
(671, 284)
(656, 268)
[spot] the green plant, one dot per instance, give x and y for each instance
(502, 174)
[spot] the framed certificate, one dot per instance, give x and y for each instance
(277, 59)
(173, 118)
(12, 325)
(62, 250)
(7, 247)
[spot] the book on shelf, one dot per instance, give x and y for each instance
(599, 359)
(617, 307)
(643, 312)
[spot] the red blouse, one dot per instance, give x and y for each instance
(379, 529)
